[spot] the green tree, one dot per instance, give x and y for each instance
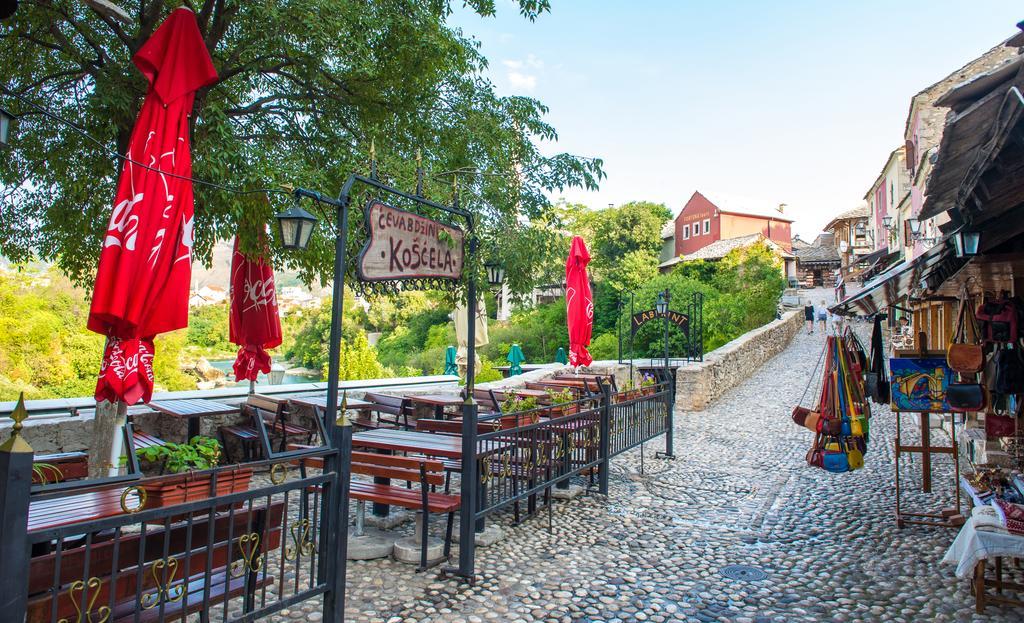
(304, 87)
(208, 330)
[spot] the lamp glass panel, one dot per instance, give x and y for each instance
(305, 232)
(289, 232)
(972, 240)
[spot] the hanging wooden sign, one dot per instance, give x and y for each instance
(403, 245)
(680, 320)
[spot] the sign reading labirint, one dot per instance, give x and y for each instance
(403, 245)
(680, 320)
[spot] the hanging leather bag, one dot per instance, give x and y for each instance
(998, 425)
(966, 397)
(999, 320)
(1009, 371)
(965, 353)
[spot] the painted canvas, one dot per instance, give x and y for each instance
(919, 384)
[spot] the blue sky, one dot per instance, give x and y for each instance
(796, 102)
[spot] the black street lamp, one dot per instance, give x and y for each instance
(495, 273)
(6, 123)
(295, 226)
(662, 306)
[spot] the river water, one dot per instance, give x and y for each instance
(289, 379)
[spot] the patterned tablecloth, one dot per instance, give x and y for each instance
(981, 538)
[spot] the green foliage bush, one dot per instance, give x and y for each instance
(208, 331)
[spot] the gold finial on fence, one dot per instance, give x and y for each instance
(343, 418)
(17, 443)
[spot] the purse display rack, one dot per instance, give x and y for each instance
(839, 421)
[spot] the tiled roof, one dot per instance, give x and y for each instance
(720, 248)
(822, 251)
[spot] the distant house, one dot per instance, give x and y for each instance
(853, 236)
(818, 263)
(719, 249)
(702, 222)
(207, 295)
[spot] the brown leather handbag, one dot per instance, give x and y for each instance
(965, 353)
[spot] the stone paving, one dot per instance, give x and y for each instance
(739, 493)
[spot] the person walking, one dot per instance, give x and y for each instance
(822, 315)
(809, 317)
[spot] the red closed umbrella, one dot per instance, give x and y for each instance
(146, 262)
(579, 303)
(254, 323)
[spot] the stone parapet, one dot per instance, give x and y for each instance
(698, 384)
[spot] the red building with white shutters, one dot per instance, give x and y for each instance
(702, 222)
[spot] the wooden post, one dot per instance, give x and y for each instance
(926, 454)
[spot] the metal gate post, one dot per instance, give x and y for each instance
(604, 441)
(15, 486)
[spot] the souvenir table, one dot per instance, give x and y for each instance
(982, 539)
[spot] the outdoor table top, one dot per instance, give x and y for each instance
(320, 402)
(436, 400)
(81, 507)
(192, 408)
(446, 446)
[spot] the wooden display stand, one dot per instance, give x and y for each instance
(947, 517)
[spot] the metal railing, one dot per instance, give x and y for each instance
(170, 547)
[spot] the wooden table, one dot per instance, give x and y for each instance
(319, 403)
(394, 440)
(438, 401)
(193, 410)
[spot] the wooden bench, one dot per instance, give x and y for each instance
(128, 570)
(397, 407)
(274, 414)
(427, 472)
(58, 467)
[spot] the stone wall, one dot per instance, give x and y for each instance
(698, 384)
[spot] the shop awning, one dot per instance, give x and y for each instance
(895, 284)
(985, 112)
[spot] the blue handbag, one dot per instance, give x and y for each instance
(836, 462)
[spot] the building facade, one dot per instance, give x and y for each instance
(702, 222)
(852, 235)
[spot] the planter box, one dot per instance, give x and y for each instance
(519, 419)
(629, 394)
(563, 410)
(184, 488)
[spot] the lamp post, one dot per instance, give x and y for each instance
(296, 228)
(664, 297)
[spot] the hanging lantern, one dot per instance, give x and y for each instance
(295, 227)
(6, 123)
(967, 243)
(495, 273)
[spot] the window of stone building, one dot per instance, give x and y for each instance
(686, 232)
(707, 226)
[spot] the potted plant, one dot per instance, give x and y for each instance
(629, 391)
(515, 406)
(199, 454)
(647, 384)
(562, 402)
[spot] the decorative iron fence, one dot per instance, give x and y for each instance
(521, 455)
(635, 419)
(168, 547)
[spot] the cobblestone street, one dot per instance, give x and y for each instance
(739, 493)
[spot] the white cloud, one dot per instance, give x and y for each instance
(521, 81)
(521, 74)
